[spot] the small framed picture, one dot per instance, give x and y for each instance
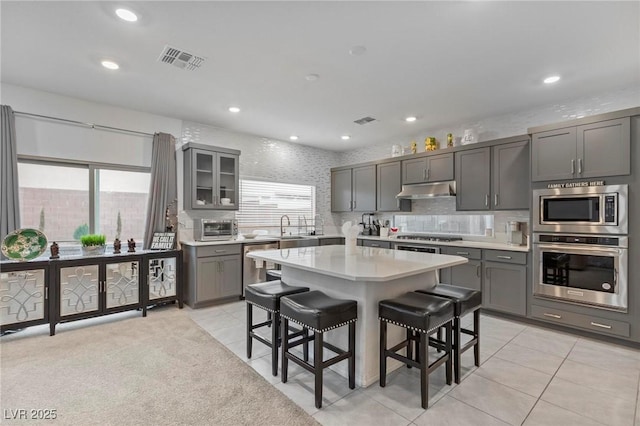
(163, 241)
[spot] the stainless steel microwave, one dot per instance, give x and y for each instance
(588, 209)
(214, 229)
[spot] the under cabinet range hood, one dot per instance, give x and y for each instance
(421, 191)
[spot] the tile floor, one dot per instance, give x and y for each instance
(528, 376)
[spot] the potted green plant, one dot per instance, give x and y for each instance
(93, 244)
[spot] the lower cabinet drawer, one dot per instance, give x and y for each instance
(586, 322)
(374, 243)
(470, 253)
(219, 250)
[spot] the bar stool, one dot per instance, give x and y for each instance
(319, 313)
(274, 275)
(421, 315)
(267, 296)
(465, 300)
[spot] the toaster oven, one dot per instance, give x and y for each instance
(214, 229)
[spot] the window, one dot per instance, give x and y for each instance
(262, 204)
(67, 200)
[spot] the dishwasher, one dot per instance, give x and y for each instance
(251, 274)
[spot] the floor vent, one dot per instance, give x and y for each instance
(365, 120)
(180, 58)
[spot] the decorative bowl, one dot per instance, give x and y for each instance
(24, 244)
(249, 236)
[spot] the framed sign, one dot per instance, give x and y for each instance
(163, 241)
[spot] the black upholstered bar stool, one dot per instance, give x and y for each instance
(267, 296)
(421, 315)
(465, 301)
(274, 275)
(319, 313)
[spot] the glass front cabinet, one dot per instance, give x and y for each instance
(211, 177)
(24, 295)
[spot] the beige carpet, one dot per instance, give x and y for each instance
(159, 370)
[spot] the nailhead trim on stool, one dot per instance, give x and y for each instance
(417, 309)
(465, 300)
(267, 296)
(310, 310)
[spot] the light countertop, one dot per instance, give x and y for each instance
(462, 243)
(361, 264)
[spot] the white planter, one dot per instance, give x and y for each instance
(93, 250)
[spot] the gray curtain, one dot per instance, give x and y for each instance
(10, 214)
(163, 190)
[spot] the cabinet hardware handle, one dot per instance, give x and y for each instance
(428, 173)
(595, 324)
(579, 166)
(573, 166)
(220, 251)
(464, 253)
(486, 200)
(148, 280)
(552, 315)
(424, 174)
(478, 271)
(354, 205)
(46, 293)
(504, 257)
(496, 199)
(375, 245)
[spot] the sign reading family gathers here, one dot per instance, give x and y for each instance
(163, 240)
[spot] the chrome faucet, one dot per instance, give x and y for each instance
(281, 224)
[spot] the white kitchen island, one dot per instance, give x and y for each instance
(364, 274)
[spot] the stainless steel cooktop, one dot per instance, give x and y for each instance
(423, 237)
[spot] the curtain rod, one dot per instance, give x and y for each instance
(80, 123)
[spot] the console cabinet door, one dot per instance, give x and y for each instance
(510, 171)
(163, 275)
(604, 149)
(553, 155)
(24, 295)
(473, 179)
(79, 289)
(122, 284)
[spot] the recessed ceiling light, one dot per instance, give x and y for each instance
(293, 137)
(551, 79)
(345, 137)
(410, 119)
(234, 109)
(312, 77)
(126, 15)
(110, 65)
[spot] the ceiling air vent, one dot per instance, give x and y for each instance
(180, 58)
(365, 120)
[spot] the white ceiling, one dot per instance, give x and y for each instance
(444, 62)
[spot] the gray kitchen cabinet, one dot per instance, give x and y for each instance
(213, 273)
(467, 275)
(376, 243)
(591, 150)
(473, 179)
(432, 168)
(510, 176)
(331, 241)
(389, 184)
(494, 178)
(505, 281)
(353, 189)
(210, 175)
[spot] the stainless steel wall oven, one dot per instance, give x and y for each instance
(585, 269)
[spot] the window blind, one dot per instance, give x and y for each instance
(263, 203)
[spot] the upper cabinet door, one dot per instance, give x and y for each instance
(553, 155)
(364, 188)
(203, 189)
(414, 171)
(389, 185)
(604, 149)
(341, 191)
(440, 168)
(510, 170)
(473, 183)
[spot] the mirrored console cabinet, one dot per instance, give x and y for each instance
(73, 288)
